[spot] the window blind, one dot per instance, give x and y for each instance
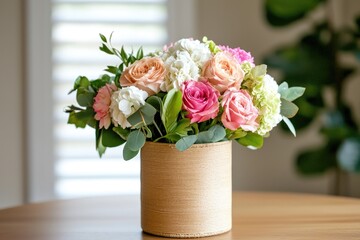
(76, 25)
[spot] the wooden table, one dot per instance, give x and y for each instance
(255, 216)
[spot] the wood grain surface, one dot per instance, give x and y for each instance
(255, 216)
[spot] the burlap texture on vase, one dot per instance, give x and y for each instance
(186, 194)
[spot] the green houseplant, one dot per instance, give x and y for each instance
(315, 62)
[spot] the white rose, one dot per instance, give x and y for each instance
(180, 69)
(124, 103)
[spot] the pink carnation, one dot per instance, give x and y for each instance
(200, 99)
(102, 103)
(239, 110)
(239, 54)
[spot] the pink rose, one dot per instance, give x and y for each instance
(223, 71)
(239, 54)
(239, 111)
(200, 99)
(102, 103)
(146, 74)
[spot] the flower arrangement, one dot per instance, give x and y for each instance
(190, 92)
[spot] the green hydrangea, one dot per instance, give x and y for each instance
(266, 98)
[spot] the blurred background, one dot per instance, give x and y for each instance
(45, 45)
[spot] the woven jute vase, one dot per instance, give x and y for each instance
(186, 194)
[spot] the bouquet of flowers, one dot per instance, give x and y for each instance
(190, 92)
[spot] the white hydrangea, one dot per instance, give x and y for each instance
(124, 103)
(179, 69)
(267, 100)
(199, 52)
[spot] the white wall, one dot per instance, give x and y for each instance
(11, 104)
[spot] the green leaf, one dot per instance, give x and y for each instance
(155, 101)
(128, 153)
(288, 109)
(283, 87)
(82, 118)
(123, 133)
(183, 126)
(123, 55)
(80, 81)
(349, 155)
(251, 140)
(185, 142)
(292, 93)
(112, 69)
(105, 49)
(217, 133)
(103, 38)
(85, 97)
(290, 125)
(171, 109)
(259, 71)
(144, 116)
(111, 139)
(135, 140)
(315, 161)
(74, 119)
(231, 135)
(283, 12)
(140, 53)
(214, 134)
(99, 147)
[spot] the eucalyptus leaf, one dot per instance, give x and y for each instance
(135, 140)
(290, 125)
(288, 109)
(292, 93)
(144, 116)
(283, 87)
(185, 142)
(216, 133)
(128, 153)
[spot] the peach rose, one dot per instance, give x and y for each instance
(146, 74)
(223, 72)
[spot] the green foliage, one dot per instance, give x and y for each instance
(171, 109)
(111, 139)
(283, 12)
(161, 118)
(251, 140)
(135, 141)
(215, 134)
(185, 142)
(314, 61)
